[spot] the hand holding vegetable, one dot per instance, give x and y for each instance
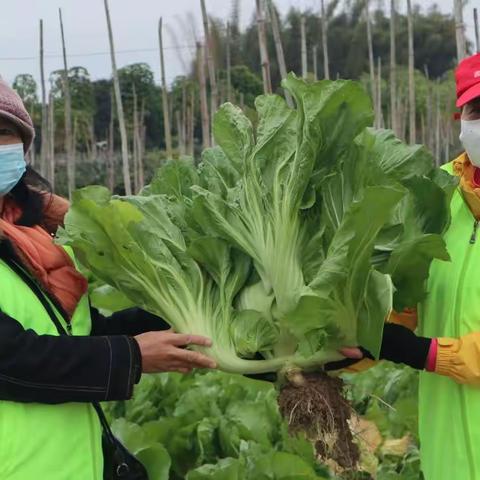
(399, 345)
(166, 352)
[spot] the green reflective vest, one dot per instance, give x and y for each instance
(39, 441)
(449, 413)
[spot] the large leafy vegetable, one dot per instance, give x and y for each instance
(290, 238)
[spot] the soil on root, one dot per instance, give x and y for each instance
(314, 403)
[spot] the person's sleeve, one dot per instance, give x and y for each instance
(59, 369)
(408, 318)
(459, 358)
(132, 321)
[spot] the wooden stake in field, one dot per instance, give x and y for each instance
(51, 140)
(437, 127)
(134, 140)
(191, 122)
(324, 21)
(477, 35)
(393, 70)
(314, 59)
(459, 29)
(411, 78)
(212, 78)
(429, 120)
(203, 96)
(279, 47)
(379, 114)
(262, 43)
(44, 145)
(303, 37)
(120, 114)
(183, 125)
(111, 146)
(68, 116)
(229, 66)
(371, 62)
(166, 114)
(141, 134)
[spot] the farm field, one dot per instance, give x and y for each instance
(275, 179)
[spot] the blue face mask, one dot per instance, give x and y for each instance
(12, 166)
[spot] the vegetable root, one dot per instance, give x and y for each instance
(316, 406)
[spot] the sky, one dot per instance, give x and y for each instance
(135, 29)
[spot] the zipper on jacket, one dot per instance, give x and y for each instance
(473, 237)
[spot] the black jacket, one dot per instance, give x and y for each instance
(57, 369)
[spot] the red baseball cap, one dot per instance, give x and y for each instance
(467, 77)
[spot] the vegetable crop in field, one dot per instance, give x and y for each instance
(211, 426)
(289, 240)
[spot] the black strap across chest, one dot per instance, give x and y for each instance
(45, 300)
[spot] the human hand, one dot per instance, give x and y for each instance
(165, 352)
(352, 356)
(354, 353)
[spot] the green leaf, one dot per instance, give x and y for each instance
(282, 466)
(131, 435)
(225, 469)
(394, 157)
(156, 460)
(107, 298)
(174, 178)
(233, 131)
(252, 333)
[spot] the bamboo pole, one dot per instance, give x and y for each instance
(423, 128)
(429, 119)
(412, 127)
(477, 35)
(277, 38)
(180, 142)
(44, 144)
(379, 114)
(134, 139)
(191, 122)
(459, 29)
(371, 61)
(120, 114)
(31, 152)
(184, 116)
(324, 22)
(212, 78)
(229, 66)
(262, 43)
(393, 70)
(315, 67)
(141, 133)
(68, 115)
(166, 114)
(303, 52)
(111, 147)
(75, 133)
(203, 96)
(437, 127)
(51, 140)
(448, 129)
(93, 140)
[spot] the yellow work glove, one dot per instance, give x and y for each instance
(459, 358)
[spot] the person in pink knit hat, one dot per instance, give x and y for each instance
(58, 356)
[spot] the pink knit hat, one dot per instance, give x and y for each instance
(12, 109)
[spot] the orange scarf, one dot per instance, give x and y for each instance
(469, 182)
(47, 262)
